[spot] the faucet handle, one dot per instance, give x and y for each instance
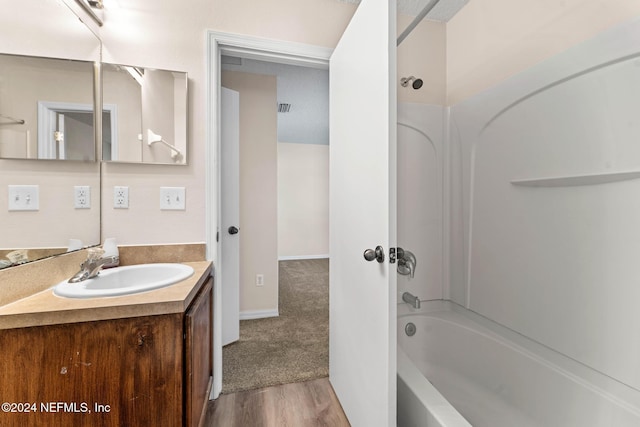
(407, 263)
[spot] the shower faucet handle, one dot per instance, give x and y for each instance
(377, 254)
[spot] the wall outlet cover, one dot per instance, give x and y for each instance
(82, 197)
(120, 197)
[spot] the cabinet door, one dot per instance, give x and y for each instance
(198, 355)
(126, 372)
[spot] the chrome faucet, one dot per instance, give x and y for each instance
(406, 263)
(410, 299)
(91, 267)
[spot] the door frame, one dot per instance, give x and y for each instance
(47, 124)
(219, 43)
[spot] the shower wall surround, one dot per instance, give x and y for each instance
(555, 260)
(420, 196)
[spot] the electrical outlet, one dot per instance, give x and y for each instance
(120, 197)
(82, 197)
(24, 197)
(259, 279)
(172, 198)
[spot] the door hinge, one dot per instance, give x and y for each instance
(217, 236)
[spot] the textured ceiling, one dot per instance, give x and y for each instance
(442, 12)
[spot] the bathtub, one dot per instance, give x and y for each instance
(460, 369)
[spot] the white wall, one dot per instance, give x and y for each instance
(557, 264)
(258, 189)
(306, 89)
(120, 89)
(158, 107)
(423, 55)
(303, 200)
(173, 37)
(490, 40)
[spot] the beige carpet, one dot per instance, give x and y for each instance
(290, 348)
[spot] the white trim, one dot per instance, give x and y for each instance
(258, 314)
(219, 43)
(271, 50)
(447, 209)
(113, 114)
(297, 257)
(47, 124)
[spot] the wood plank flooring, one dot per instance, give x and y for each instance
(310, 403)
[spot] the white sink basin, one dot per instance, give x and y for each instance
(125, 281)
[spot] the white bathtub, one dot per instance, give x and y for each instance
(494, 377)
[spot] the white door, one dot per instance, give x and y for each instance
(230, 206)
(363, 297)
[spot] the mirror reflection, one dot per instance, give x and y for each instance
(144, 115)
(46, 54)
(46, 109)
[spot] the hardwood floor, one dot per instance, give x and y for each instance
(311, 403)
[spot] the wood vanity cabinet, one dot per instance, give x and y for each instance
(198, 355)
(138, 371)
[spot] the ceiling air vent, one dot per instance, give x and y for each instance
(284, 108)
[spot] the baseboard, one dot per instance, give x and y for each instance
(258, 314)
(297, 257)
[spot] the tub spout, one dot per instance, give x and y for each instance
(410, 299)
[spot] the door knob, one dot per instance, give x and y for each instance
(233, 230)
(377, 254)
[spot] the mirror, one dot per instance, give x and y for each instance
(46, 109)
(144, 115)
(46, 42)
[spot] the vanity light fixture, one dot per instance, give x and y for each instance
(96, 4)
(152, 138)
(87, 5)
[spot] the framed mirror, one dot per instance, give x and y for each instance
(47, 61)
(144, 115)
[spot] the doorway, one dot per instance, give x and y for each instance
(65, 130)
(248, 48)
(281, 181)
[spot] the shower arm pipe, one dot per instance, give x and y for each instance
(416, 21)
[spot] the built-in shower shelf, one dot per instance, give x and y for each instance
(575, 180)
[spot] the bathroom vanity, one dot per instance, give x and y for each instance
(137, 360)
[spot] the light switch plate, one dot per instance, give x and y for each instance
(24, 197)
(172, 198)
(82, 197)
